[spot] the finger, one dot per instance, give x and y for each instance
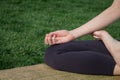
(53, 39)
(49, 39)
(45, 40)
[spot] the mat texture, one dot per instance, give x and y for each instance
(44, 72)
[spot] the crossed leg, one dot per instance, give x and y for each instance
(85, 57)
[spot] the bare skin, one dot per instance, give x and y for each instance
(57, 37)
(112, 45)
(104, 19)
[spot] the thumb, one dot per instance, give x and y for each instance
(58, 40)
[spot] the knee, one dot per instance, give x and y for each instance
(52, 50)
(51, 54)
(55, 49)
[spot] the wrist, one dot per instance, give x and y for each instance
(72, 33)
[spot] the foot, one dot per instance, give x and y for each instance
(111, 44)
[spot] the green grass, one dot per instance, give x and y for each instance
(24, 23)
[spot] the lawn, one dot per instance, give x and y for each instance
(24, 23)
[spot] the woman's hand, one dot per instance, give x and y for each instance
(57, 37)
(100, 34)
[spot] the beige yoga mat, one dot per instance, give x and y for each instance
(44, 72)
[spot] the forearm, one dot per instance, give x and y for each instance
(107, 17)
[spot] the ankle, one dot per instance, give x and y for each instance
(104, 35)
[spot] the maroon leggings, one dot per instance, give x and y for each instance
(84, 57)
